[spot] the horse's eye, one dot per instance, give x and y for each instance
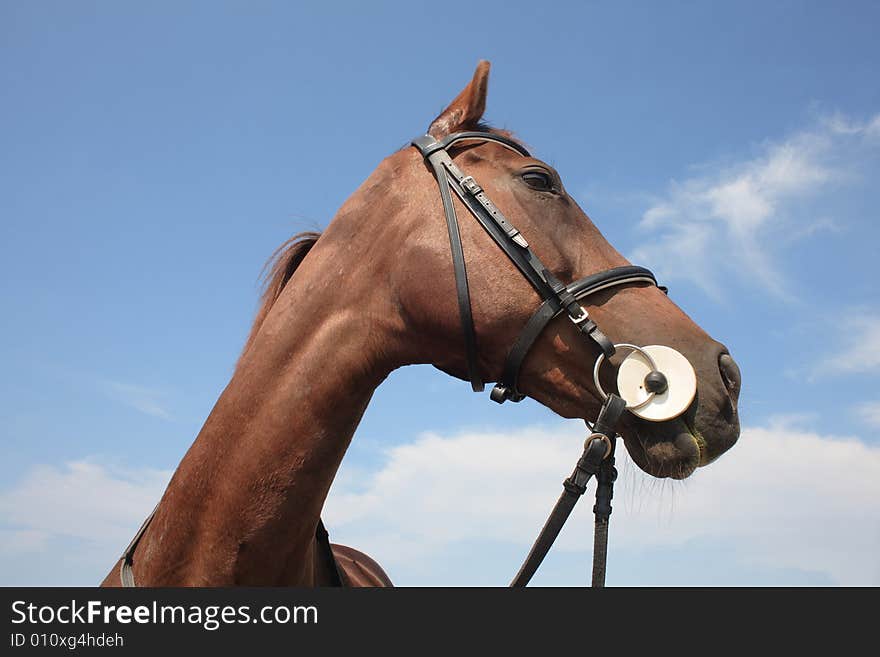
(538, 180)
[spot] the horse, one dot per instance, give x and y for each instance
(376, 291)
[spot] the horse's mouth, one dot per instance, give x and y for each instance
(669, 450)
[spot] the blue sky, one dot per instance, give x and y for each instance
(154, 155)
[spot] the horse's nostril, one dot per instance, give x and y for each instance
(730, 375)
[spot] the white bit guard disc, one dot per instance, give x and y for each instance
(679, 375)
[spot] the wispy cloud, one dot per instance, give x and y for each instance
(723, 224)
(149, 401)
(870, 412)
(80, 514)
(82, 499)
(492, 490)
(860, 345)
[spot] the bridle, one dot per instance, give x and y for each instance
(557, 298)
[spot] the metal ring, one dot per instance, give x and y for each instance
(598, 364)
(599, 436)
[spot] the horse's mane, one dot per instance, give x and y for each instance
(279, 268)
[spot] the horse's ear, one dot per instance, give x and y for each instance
(467, 109)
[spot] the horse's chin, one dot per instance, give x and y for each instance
(665, 449)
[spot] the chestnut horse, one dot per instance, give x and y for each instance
(375, 292)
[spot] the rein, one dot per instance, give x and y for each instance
(597, 460)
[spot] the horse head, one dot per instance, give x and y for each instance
(558, 370)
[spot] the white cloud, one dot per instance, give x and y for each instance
(783, 498)
(860, 351)
(141, 398)
(723, 224)
(83, 512)
(870, 412)
(14, 542)
(840, 124)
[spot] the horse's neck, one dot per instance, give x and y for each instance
(243, 505)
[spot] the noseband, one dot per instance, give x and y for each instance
(557, 298)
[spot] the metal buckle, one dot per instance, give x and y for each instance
(470, 185)
(580, 319)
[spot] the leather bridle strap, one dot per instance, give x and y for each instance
(126, 574)
(556, 296)
(506, 388)
(597, 459)
(458, 265)
(505, 235)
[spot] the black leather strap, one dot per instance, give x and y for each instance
(434, 155)
(611, 278)
(555, 295)
(605, 479)
(511, 242)
(126, 574)
(323, 539)
(589, 464)
(449, 140)
(529, 265)
(487, 214)
(506, 389)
